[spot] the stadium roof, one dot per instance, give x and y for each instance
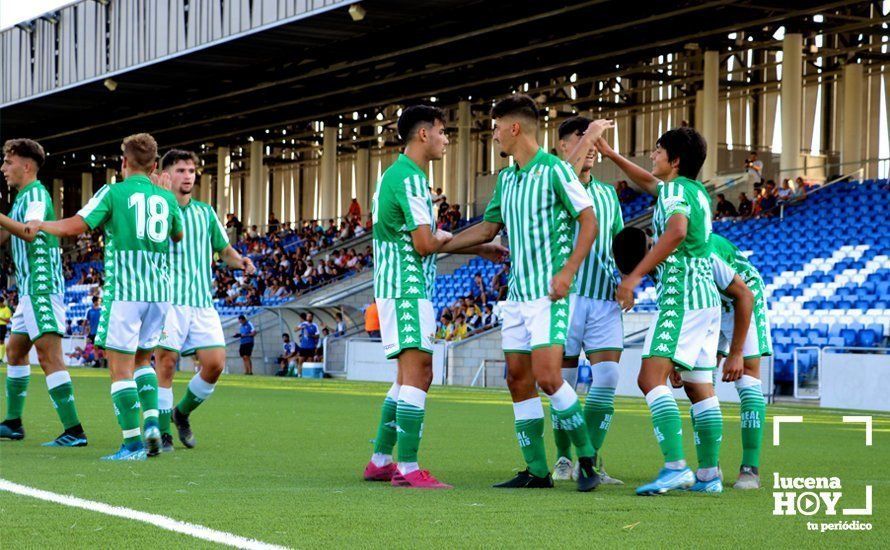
(403, 51)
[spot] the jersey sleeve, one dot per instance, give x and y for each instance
(36, 211)
(723, 273)
(218, 238)
(413, 199)
(493, 210)
(97, 210)
(569, 189)
(618, 220)
(672, 200)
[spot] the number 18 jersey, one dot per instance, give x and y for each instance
(138, 218)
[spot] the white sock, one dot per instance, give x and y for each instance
(707, 474)
(675, 465)
(380, 460)
(200, 387)
(406, 468)
(564, 397)
(165, 398)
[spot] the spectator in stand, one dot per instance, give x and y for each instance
(477, 291)
(253, 232)
(232, 222)
(439, 197)
(754, 169)
(725, 209)
(746, 207)
(499, 282)
(785, 193)
(345, 231)
(93, 316)
(768, 200)
(625, 193)
(446, 327)
(800, 190)
(372, 320)
(489, 319)
(355, 210)
(460, 330)
(274, 225)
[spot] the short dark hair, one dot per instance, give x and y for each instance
(25, 148)
(95, 299)
(688, 146)
(629, 248)
(242, 318)
(414, 116)
(285, 335)
(576, 125)
(173, 156)
(517, 105)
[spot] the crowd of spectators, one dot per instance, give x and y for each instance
(766, 200)
(476, 311)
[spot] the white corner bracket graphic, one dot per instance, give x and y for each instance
(862, 420)
(777, 425)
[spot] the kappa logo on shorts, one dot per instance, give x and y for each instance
(563, 227)
(560, 324)
(562, 238)
(561, 313)
(40, 269)
(669, 313)
(564, 250)
(666, 336)
(404, 305)
(408, 328)
(560, 335)
(406, 317)
(667, 323)
(662, 348)
(671, 280)
(562, 215)
(412, 290)
(671, 290)
(42, 287)
(411, 268)
(409, 339)
(40, 252)
(40, 261)
(412, 279)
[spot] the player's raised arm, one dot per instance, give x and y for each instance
(68, 227)
(640, 176)
(588, 140)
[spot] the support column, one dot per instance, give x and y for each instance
(462, 168)
(710, 116)
(58, 197)
(277, 204)
(86, 187)
(287, 194)
(255, 187)
(851, 129)
(110, 176)
(204, 192)
(363, 188)
(327, 192)
(790, 162)
(223, 182)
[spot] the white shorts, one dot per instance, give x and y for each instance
(596, 326)
(39, 314)
(758, 341)
(131, 326)
(534, 324)
(188, 329)
(688, 338)
(406, 323)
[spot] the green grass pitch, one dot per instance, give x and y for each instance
(280, 460)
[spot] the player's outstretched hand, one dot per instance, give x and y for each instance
(560, 285)
(602, 145)
(493, 252)
(733, 367)
(32, 227)
(624, 294)
(247, 265)
(161, 179)
(596, 128)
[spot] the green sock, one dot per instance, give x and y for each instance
(147, 386)
(409, 422)
(126, 408)
(386, 430)
(61, 392)
(561, 436)
(708, 428)
(572, 422)
(753, 415)
(17, 379)
(198, 391)
(599, 406)
(531, 442)
(666, 422)
(165, 408)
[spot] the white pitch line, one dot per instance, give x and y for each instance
(170, 524)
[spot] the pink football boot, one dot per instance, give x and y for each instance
(380, 473)
(418, 479)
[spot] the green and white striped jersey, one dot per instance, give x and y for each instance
(537, 203)
(138, 218)
(401, 204)
(191, 259)
(685, 280)
(728, 261)
(38, 264)
(598, 276)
